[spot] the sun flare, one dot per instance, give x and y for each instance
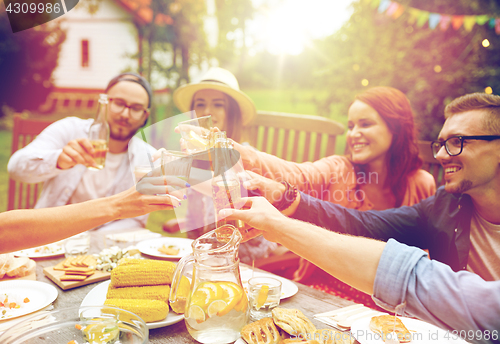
(289, 26)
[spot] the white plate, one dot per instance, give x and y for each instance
(288, 288)
(150, 247)
(44, 251)
(40, 295)
(97, 296)
(422, 333)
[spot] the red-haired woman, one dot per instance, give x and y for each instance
(381, 170)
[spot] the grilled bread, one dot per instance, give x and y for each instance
(293, 321)
(384, 324)
(262, 331)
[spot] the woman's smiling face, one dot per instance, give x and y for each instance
(213, 103)
(368, 136)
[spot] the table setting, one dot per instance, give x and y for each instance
(325, 312)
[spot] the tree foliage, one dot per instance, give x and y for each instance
(431, 66)
(27, 60)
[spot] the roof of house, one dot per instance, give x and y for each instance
(143, 13)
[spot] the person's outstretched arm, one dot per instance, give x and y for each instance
(392, 272)
(26, 228)
(320, 246)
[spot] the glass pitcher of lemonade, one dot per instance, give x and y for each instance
(217, 306)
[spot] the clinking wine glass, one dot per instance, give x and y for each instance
(197, 134)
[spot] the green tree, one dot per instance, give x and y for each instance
(27, 60)
(431, 66)
(232, 18)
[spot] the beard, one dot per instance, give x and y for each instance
(462, 187)
(121, 135)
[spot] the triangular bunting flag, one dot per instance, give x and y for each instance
(398, 12)
(384, 5)
(434, 19)
(457, 21)
(392, 8)
(481, 20)
(414, 13)
(445, 22)
(422, 18)
(491, 23)
(469, 22)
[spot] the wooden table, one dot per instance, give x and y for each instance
(308, 300)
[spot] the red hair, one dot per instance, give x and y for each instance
(395, 109)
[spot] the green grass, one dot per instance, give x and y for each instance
(292, 101)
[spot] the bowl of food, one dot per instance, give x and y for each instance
(80, 325)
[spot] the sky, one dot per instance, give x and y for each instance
(286, 26)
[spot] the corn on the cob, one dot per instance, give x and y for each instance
(148, 310)
(149, 272)
(154, 292)
(179, 304)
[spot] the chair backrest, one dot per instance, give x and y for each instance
(23, 195)
(293, 137)
(430, 164)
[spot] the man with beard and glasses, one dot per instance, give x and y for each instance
(59, 156)
(460, 224)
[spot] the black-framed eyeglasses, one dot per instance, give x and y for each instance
(117, 105)
(455, 145)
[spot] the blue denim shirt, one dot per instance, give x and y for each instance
(440, 223)
(433, 292)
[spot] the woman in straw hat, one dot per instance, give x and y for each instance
(218, 95)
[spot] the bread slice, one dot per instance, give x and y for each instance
(19, 267)
(29, 268)
(384, 324)
(293, 321)
(262, 331)
(6, 260)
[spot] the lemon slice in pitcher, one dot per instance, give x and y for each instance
(215, 307)
(202, 297)
(232, 295)
(197, 313)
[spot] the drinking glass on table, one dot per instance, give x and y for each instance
(77, 245)
(196, 134)
(176, 165)
(264, 295)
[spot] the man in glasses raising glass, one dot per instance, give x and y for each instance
(460, 224)
(60, 155)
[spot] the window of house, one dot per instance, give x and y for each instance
(85, 53)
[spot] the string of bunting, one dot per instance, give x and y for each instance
(443, 21)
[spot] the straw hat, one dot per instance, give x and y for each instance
(221, 80)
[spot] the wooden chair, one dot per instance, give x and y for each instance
(293, 137)
(430, 164)
(24, 195)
